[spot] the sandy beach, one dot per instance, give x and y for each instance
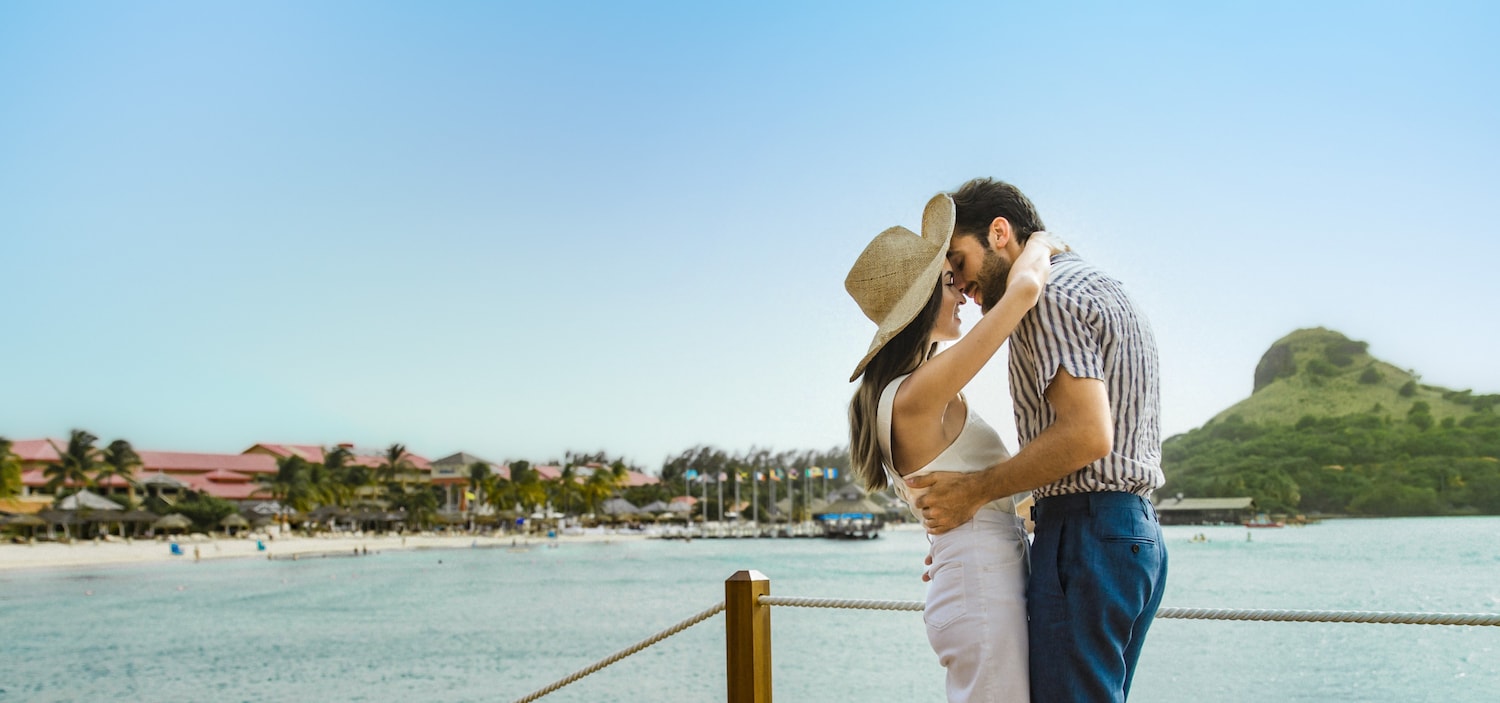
(49, 555)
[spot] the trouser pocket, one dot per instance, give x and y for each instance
(946, 601)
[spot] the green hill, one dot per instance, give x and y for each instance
(1330, 429)
(1322, 373)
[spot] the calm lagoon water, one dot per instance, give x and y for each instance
(489, 624)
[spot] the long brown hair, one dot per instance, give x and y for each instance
(902, 355)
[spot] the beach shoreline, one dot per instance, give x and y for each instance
(92, 553)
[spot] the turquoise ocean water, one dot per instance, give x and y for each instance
(494, 625)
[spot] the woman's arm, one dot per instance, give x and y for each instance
(942, 377)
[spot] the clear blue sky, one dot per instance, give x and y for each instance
(518, 228)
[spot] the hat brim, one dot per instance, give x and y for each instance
(937, 226)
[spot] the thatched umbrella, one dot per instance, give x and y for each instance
(618, 506)
(328, 513)
(234, 521)
(655, 507)
(175, 521)
(136, 518)
(60, 518)
(31, 522)
(87, 500)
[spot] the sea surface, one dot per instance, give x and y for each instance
(496, 625)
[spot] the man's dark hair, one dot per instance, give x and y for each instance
(978, 202)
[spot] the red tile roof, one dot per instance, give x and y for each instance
(636, 478)
(226, 491)
(173, 462)
(551, 472)
(37, 449)
(222, 476)
(310, 452)
(314, 454)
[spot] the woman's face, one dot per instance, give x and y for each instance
(947, 327)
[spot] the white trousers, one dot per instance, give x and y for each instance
(976, 608)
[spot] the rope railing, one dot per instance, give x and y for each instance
(1262, 615)
(1364, 616)
(632, 649)
(784, 601)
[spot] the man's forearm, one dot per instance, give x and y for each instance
(1058, 451)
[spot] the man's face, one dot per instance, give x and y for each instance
(978, 271)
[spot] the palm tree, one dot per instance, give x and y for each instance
(621, 472)
(530, 492)
(478, 472)
(75, 466)
(392, 470)
(498, 492)
(289, 484)
(10, 470)
(599, 487)
(419, 504)
(120, 460)
(564, 488)
(322, 488)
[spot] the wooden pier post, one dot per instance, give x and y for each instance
(748, 627)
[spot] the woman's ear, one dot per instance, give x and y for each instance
(1000, 233)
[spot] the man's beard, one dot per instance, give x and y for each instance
(992, 274)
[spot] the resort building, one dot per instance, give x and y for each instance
(169, 475)
(417, 470)
(1177, 510)
(452, 474)
(231, 477)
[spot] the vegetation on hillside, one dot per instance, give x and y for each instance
(1330, 429)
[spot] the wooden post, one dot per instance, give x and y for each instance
(748, 624)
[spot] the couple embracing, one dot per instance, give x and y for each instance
(1063, 616)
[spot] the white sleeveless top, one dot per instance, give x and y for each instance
(976, 448)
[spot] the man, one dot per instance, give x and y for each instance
(1083, 377)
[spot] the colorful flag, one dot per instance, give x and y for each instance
(723, 476)
(692, 474)
(831, 473)
(760, 476)
(469, 495)
(815, 472)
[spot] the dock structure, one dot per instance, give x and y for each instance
(1178, 510)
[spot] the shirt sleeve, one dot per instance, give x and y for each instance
(1068, 337)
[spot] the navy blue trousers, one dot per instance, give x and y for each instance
(1098, 569)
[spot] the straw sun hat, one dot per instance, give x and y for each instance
(893, 277)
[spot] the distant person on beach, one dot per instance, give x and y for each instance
(908, 418)
(1084, 381)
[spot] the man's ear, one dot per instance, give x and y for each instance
(1000, 233)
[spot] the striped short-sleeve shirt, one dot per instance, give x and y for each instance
(1086, 323)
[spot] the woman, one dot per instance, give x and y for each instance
(908, 417)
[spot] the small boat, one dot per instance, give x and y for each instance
(1263, 523)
